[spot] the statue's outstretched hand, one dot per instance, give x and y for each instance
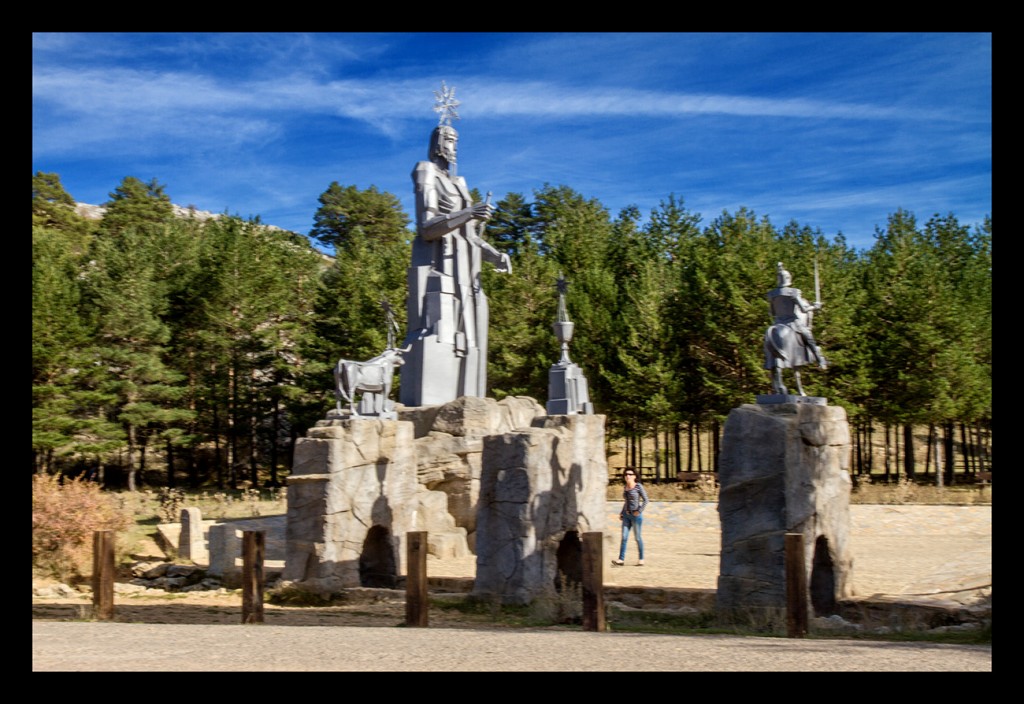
(505, 266)
(482, 211)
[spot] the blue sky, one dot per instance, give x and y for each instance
(835, 130)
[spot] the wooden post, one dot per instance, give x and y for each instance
(253, 544)
(416, 603)
(103, 574)
(796, 586)
(593, 582)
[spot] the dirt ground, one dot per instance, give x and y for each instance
(941, 552)
(212, 609)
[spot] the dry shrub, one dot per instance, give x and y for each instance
(755, 619)
(252, 498)
(706, 487)
(564, 605)
(64, 518)
(171, 503)
(869, 489)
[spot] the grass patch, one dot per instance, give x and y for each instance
(151, 507)
(492, 612)
(764, 623)
(290, 596)
(698, 623)
(875, 490)
(767, 625)
(975, 636)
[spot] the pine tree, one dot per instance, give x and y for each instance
(646, 371)
(732, 269)
(964, 358)
(54, 208)
(257, 290)
(66, 414)
(128, 299)
(909, 313)
(136, 204)
(377, 215)
(513, 229)
(350, 320)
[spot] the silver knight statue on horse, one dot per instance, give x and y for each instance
(789, 343)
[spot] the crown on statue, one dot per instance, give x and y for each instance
(446, 104)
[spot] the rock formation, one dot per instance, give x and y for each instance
(542, 487)
(784, 468)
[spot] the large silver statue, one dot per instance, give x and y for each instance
(447, 310)
(789, 343)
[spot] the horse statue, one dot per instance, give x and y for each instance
(788, 342)
(371, 381)
(783, 349)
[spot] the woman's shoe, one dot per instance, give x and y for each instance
(640, 563)
(618, 563)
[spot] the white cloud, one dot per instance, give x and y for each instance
(799, 124)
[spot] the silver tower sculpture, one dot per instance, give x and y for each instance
(567, 386)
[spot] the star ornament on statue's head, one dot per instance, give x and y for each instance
(446, 104)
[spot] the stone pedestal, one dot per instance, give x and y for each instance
(359, 485)
(784, 468)
(541, 488)
(791, 398)
(192, 539)
(352, 498)
(567, 391)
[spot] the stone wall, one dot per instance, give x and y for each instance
(541, 488)
(351, 501)
(784, 468)
(359, 485)
(449, 446)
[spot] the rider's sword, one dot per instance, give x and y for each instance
(817, 283)
(817, 295)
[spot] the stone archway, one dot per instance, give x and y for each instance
(823, 580)
(377, 567)
(569, 560)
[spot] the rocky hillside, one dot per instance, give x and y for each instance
(95, 212)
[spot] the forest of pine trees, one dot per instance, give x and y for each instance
(177, 351)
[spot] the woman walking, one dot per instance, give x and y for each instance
(634, 502)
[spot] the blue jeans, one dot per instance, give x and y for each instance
(636, 522)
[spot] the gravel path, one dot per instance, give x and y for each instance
(944, 551)
(123, 647)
